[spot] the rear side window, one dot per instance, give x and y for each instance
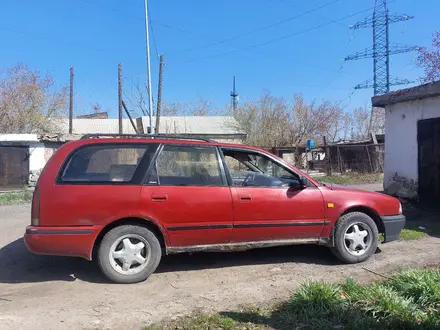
(187, 166)
(100, 164)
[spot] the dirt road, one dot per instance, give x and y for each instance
(38, 292)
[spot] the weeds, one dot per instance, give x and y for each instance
(409, 300)
(353, 178)
(19, 197)
(411, 234)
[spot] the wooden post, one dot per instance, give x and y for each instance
(120, 106)
(159, 94)
(129, 117)
(369, 159)
(327, 156)
(339, 160)
(377, 163)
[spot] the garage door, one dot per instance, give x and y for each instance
(428, 135)
(14, 167)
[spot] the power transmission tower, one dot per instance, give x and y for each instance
(381, 50)
(234, 96)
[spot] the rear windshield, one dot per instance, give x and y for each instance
(103, 164)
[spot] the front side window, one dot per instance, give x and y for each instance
(186, 166)
(252, 169)
(102, 164)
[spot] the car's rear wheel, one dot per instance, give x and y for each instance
(129, 254)
(355, 237)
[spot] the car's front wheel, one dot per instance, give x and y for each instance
(129, 254)
(355, 237)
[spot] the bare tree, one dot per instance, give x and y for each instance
(429, 60)
(336, 125)
(311, 121)
(273, 121)
(138, 99)
(265, 121)
(29, 102)
(360, 123)
(198, 107)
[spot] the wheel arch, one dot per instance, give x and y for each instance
(368, 211)
(151, 225)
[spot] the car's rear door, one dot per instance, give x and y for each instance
(187, 193)
(269, 203)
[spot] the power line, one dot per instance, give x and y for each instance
(237, 48)
(154, 39)
(339, 72)
(111, 9)
(225, 41)
(281, 38)
(297, 7)
(217, 42)
(56, 40)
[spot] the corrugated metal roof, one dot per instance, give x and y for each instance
(209, 125)
(202, 125)
(92, 126)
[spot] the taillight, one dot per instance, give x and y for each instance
(35, 214)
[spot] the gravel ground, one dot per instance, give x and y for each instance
(40, 292)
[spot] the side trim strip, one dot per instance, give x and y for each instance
(282, 224)
(58, 232)
(252, 225)
(199, 227)
(241, 246)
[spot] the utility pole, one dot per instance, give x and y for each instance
(159, 94)
(120, 105)
(72, 75)
(234, 96)
(150, 94)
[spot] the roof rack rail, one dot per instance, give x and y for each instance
(152, 136)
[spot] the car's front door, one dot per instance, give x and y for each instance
(187, 193)
(269, 202)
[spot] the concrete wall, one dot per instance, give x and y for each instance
(401, 148)
(36, 161)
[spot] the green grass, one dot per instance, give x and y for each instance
(411, 234)
(353, 178)
(409, 300)
(19, 197)
(408, 235)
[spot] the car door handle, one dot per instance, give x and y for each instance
(159, 197)
(245, 198)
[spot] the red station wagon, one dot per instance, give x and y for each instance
(127, 200)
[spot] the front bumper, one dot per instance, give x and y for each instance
(62, 241)
(393, 225)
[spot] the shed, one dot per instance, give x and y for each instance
(412, 145)
(219, 128)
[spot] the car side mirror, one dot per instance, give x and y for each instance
(303, 182)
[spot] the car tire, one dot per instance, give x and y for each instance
(355, 237)
(129, 254)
